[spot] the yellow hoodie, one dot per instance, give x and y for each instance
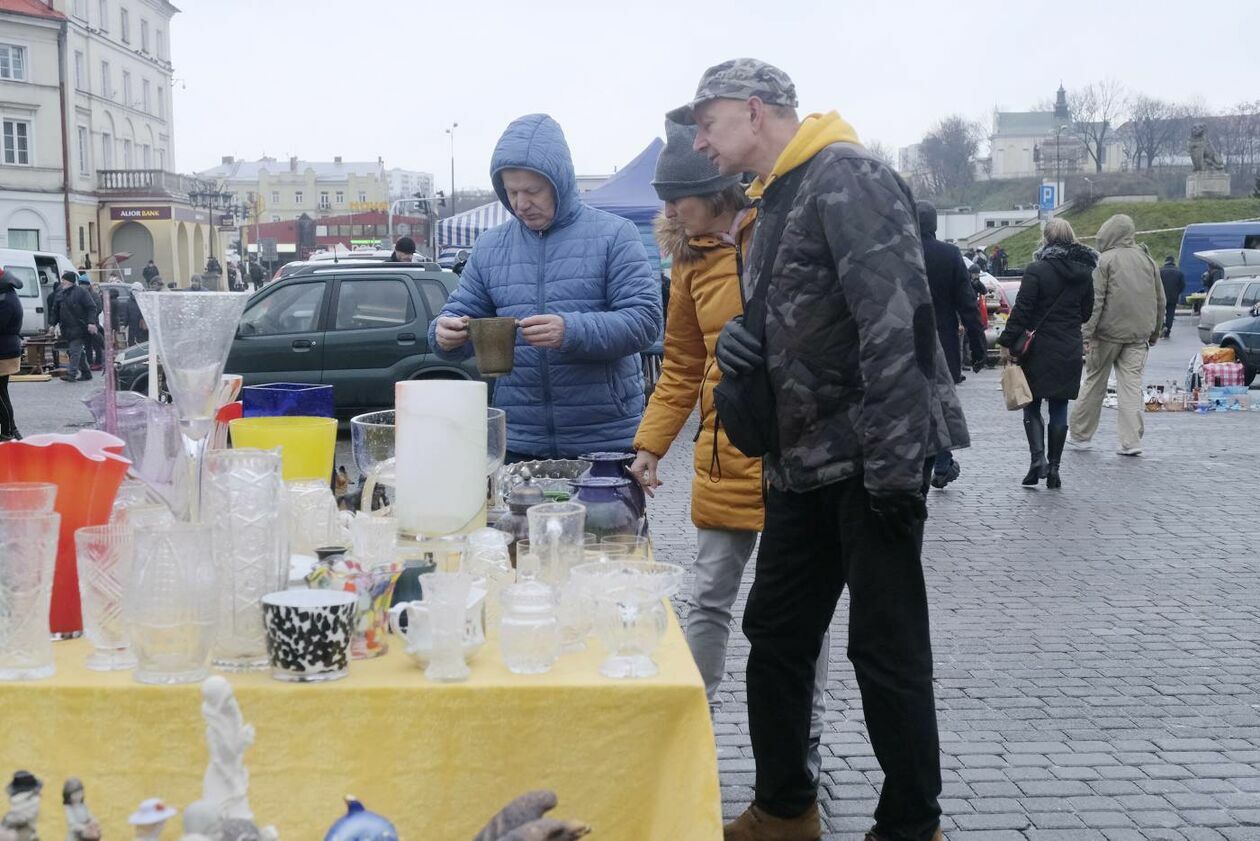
(816, 132)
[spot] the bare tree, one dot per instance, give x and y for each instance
(883, 152)
(1238, 135)
(1097, 110)
(1155, 127)
(948, 153)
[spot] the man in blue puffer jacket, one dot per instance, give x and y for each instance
(578, 281)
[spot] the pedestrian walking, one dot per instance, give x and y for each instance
(137, 329)
(1174, 283)
(862, 398)
(954, 301)
(705, 224)
(95, 346)
(10, 350)
(76, 319)
(1055, 298)
(255, 272)
(578, 281)
(1129, 307)
(150, 271)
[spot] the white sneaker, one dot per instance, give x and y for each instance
(1079, 444)
(1130, 451)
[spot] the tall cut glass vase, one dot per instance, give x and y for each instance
(245, 503)
(193, 333)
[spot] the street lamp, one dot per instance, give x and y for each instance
(1058, 163)
(451, 132)
(211, 200)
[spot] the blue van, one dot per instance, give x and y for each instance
(1206, 236)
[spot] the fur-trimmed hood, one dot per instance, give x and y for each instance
(674, 242)
(1073, 253)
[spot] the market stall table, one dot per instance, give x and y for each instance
(635, 759)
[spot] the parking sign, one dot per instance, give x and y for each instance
(1047, 201)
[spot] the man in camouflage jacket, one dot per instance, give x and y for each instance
(863, 399)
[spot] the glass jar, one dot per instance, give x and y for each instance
(608, 510)
(529, 632)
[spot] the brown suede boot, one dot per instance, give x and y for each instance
(874, 836)
(756, 825)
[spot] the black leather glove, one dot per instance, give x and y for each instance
(977, 364)
(900, 511)
(738, 351)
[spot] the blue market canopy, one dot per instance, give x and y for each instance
(629, 193)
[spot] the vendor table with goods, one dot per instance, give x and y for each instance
(634, 759)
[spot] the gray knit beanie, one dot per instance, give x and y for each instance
(681, 171)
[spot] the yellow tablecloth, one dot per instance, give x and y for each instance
(635, 759)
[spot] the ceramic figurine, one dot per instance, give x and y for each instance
(23, 813)
(202, 822)
(226, 783)
(80, 824)
(150, 819)
(523, 819)
(359, 824)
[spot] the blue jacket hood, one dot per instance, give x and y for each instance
(536, 142)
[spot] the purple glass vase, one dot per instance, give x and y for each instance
(617, 466)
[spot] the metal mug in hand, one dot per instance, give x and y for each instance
(494, 340)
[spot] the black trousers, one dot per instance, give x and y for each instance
(1170, 315)
(814, 544)
(8, 423)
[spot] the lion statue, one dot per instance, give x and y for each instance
(1203, 155)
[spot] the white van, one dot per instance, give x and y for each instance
(1236, 293)
(38, 271)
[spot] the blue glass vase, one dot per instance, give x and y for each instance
(280, 399)
(617, 466)
(608, 510)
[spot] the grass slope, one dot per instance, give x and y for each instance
(1147, 216)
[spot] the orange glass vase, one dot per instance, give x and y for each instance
(87, 468)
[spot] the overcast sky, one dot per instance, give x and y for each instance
(369, 78)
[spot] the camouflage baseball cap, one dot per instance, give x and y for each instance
(739, 78)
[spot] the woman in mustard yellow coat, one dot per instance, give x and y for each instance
(705, 223)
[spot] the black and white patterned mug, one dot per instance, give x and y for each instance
(309, 633)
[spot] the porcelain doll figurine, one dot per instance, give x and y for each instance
(80, 824)
(226, 782)
(150, 819)
(23, 815)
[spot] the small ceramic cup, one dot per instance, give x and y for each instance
(309, 634)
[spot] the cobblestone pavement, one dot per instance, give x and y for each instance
(1096, 648)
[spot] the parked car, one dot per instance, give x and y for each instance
(1243, 335)
(360, 327)
(1230, 298)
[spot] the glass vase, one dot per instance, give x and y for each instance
(193, 334)
(446, 594)
(617, 466)
(28, 553)
(171, 605)
(244, 502)
(106, 554)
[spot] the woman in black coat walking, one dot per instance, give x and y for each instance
(1055, 298)
(10, 350)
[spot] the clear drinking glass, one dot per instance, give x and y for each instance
(446, 593)
(193, 334)
(28, 554)
(372, 442)
(313, 518)
(170, 603)
(373, 539)
(529, 632)
(556, 536)
(490, 564)
(245, 501)
(630, 616)
(105, 556)
(34, 497)
(637, 546)
(496, 452)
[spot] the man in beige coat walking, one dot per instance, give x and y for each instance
(1128, 306)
